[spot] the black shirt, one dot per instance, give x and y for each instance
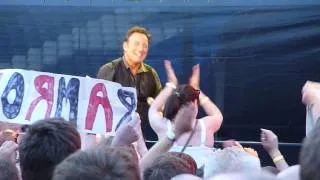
(146, 82)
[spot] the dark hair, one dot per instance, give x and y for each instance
(99, 164)
(310, 155)
(137, 29)
(181, 96)
(24, 128)
(165, 167)
(44, 145)
(8, 171)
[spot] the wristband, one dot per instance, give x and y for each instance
(277, 159)
(171, 135)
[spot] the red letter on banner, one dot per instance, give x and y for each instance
(46, 94)
(94, 103)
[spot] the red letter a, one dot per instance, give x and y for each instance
(94, 103)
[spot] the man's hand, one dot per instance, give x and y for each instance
(269, 141)
(171, 76)
(8, 151)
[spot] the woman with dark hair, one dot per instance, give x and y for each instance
(166, 105)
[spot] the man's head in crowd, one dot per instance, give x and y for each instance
(169, 165)
(7, 135)
(45, 144)
(310, 155)
(231, 160)
(181, 96)
(106, 143)
(192, 165)
(99, 164)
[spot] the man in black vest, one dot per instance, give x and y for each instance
(131, 71)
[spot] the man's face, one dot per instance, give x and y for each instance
(136, 48)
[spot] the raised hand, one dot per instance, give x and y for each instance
(311, 93)
(194, 80)
(310, 84)
(171, 76)
(136, 121)
(127, 132)
(269, 140)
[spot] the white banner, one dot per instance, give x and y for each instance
(96, 106)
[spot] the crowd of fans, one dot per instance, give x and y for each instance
(54, 149)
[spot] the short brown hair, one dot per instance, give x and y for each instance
(166, 166)
(99, 163)
(138, 29)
